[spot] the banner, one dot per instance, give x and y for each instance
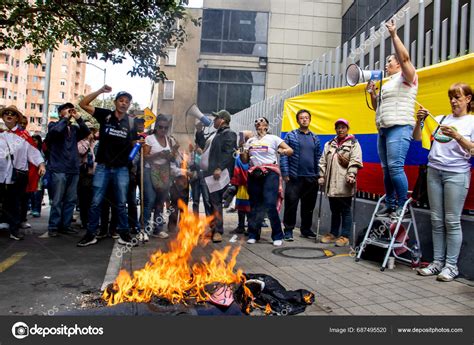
(326, 106)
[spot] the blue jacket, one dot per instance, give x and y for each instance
(289, 165)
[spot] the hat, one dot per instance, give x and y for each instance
(222, 114)
(11, 108)
(123, 93)
(344, 121)
(65, 106)
(139, 119)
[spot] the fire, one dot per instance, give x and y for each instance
(184, 163)
(172, 275)
(268, 309)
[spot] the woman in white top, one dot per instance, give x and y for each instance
(449, 175)
(264, 180)
(159, 153)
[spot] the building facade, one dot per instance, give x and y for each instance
(22, 84)
(243, 52)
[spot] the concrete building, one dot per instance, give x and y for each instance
(244, 52)
(22, 84)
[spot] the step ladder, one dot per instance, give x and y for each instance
(390, 243)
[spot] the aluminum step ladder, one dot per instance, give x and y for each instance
(390, 243)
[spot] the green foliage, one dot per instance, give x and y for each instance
(101, 29)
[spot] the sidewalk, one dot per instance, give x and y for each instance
(341, 286)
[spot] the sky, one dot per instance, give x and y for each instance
(117, 78)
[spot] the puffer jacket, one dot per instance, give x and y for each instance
(339, 160)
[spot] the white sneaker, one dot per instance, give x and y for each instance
(277, 243)
(251, 241)
(432, 269)
(448, 273)
(4, 226)
(163, 234)
(25, 225)
(143, 237)
(44, 235)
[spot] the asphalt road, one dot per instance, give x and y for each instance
(47, 276)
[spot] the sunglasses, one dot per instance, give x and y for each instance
(163, 127)
(9, 113)
(261, 120)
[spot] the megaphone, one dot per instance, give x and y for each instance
(196, 113)
(356, 75)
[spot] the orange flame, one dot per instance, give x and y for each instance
(268, 309)
(172, 275)
(184, 163)
(308, 298)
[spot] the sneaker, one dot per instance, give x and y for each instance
(328, 238)
(114, 235)
(308, 234)
(387, 211)
(16, 236)
(69, 231)
(217, 237)
(231, 210)
(277, 243)
(399, 211)
(448, 273)
(264, 224)
(238, 230)
(4, 226)
(126, 239)
(143, 236)
(87, 240)
(35, 214)
(101, 235)
(342, 241)
(432, 269)
(251, 241)
(25, 225)
(288, 236)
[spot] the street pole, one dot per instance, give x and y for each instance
(104, 70)
(47, 82)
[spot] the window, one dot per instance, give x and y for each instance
(40, 108)
(363, 14)
(32, 119)
(3, 93)
(172, 57)
(34, 92)
(39, 121)
(17, 63)
(64, 55)
(16, 80)
(234, 32)
(62, 95)
(63, 82)
(233, 90)
(33, 106)
(15, 95)
(63, 69)
(168, 90)
(43, 68)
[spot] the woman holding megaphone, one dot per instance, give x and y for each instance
(395, 122)
(449, 175)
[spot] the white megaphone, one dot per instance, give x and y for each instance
(356, 75)
(196, 113)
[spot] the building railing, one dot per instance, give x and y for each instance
(328, 70)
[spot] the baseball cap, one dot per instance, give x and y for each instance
(222, 114)
(65, 106)
(123, 93)
(344, 121)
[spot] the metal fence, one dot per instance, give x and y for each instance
(327, 71)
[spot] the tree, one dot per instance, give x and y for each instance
(107, 30)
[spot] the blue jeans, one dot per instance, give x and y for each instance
(198, 188)
(447, 192)
(341, 211)
(119, 178)
(153, 202)
(63, 200)
(393, 144)
(263, 195)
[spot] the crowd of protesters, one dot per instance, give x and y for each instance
(98, 170)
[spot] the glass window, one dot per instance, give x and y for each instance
(168, 90)
(234, 32)
(172, 57)
(233, 90)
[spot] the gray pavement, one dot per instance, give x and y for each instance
(54, 275)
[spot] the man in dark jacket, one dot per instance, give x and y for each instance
(221, 158)
(63, 164)
(300, 172)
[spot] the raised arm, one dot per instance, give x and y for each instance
(401, 53)
(85, 103)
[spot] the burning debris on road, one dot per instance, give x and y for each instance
(172, 279)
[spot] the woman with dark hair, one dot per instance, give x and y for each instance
(159, 152)
(449, 175)
(36, 198)
(264, 180)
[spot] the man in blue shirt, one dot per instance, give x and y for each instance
(300, 173)
(63, 165)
